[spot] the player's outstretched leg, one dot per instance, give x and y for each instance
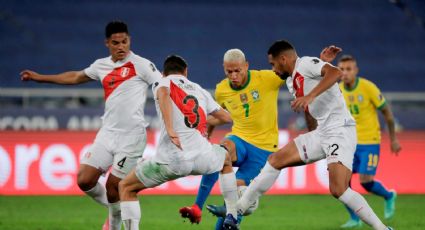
(193, 213)
(217, 210)
(130, 206)
(377, 188)
(354, 220)
(389, 210)
(339, 176)
(230, 223)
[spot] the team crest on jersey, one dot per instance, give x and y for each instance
(360, 98)
(124, 72)
(255, 95)
(315, 61)
(351, 98)
(244, 98)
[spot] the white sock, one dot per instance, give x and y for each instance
(130, 214)
(229, 191)
(360, 206)
(98, 193)
(115, 216)
(258, 186)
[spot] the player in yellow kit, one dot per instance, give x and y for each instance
(251, 97)
(363, 99)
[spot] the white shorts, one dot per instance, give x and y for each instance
(121, 150)
(152, 173)
(337, 145)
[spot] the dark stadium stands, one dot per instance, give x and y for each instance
(54, 36)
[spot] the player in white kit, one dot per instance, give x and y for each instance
(313, 83)
(185, 109)
(125, 78)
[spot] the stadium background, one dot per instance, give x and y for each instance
(44, 128)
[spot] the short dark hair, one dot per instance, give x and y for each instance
(174, 64)
(114, 27)
(278, 47)
(346, 57)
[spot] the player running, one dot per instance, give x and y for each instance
(363, 98)
(183, 149)
(121, 140)
(313, 83)
(251, 97)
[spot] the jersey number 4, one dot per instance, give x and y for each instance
(194, 111)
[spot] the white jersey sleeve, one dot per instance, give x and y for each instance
(162, 82)
(148, 72)
(91, 71)
(312, 66)
(212, 105)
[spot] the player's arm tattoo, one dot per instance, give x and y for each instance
(310, 121)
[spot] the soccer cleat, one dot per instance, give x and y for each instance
(351, 223)
(230, 223)
(218, 211)
(193, 213)
(390, 228)
(390, 206)
(105, 225)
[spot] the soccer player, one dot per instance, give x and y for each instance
(183, 147)
(314, 85)
(251, 97)
(363, 98)
(121, 140)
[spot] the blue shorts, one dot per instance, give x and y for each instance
(366, 159)
(250, 159)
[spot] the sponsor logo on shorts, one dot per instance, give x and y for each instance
(87, 155)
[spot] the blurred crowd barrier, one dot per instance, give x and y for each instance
(46, 163)
(42, 109)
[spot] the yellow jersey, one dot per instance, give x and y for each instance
(363, 100)
(253, 108)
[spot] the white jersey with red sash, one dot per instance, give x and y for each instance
(191, 104)
(125, 85)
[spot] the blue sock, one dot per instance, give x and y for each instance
(240, 217)
(204, 190)
(377, 188)
(219, 223)
(353, 215)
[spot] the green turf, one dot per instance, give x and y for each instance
(160, 212)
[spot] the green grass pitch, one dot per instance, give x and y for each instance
(161, 212)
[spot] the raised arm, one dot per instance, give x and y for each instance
(66, 78)
(167, 110)
(389, 119)
(329, 53)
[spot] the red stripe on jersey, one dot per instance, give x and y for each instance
(194, 115)
(117, 77)
(298, 84)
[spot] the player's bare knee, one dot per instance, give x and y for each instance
(275, 161)
(337, 191)
(227, 160)
(86, 182)
(112, 191)
(231, 149)
(123, 187)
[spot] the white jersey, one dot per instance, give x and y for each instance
(125, 84)
(329, 107)
(190, 104)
